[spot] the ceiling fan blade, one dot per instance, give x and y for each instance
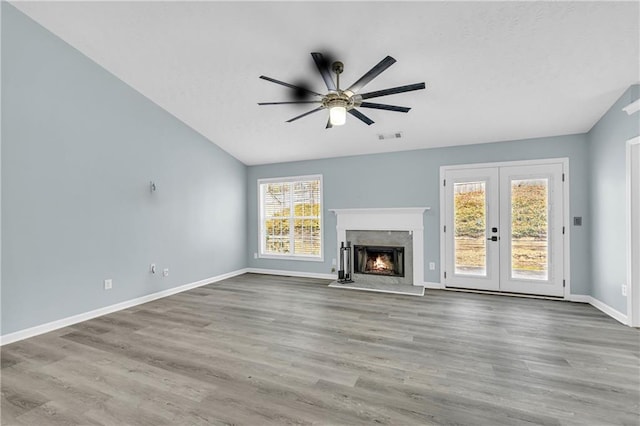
(291, 86)
(322, 65)
(393, 90)
(371, 74)
(290, 102)
(361, 116)
(384, 106)
(329, 125)
(305, 114)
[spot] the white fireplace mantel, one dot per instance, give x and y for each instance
(387, 219)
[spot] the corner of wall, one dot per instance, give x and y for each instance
(606, 151)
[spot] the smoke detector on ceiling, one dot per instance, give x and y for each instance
(395, 135)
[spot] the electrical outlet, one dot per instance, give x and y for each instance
(432, 266)
(108, 284)
(152, 268)
(165, 272)
(624, 289)
(333, 262)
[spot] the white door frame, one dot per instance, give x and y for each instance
(633, 232)
(566, 213)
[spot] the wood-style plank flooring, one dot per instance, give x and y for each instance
(259, 350)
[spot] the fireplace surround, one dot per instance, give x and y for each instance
(384, 241)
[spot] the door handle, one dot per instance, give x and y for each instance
(494, 238)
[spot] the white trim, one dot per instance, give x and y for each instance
(65, 322)
(306, 258)
(632, 250)
(632, 107)
(580, 298)
(443, 221)
(279, 179)
(601, 306)
(506, 163)
(433, 286)
(302, 258)
(291, 273)
(382, 210)
(613, 313)
(566, 208)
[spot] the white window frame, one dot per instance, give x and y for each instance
(261, 220)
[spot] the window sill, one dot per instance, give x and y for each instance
(285, 257)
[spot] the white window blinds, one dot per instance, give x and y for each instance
(291, 217)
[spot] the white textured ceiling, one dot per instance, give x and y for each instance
(494, 71)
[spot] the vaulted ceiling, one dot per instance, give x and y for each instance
(494, 70)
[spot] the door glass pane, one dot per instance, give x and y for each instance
(470, 242)
(529, 229)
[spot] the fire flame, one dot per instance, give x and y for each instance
(380, 264)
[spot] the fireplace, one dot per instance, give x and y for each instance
(378, 260)
(382, 227)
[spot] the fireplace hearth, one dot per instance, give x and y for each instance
(378, 260)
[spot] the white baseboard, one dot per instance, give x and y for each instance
(580, 298)
(65, 322)
(292, 273)
(433, 286)
(613, 313)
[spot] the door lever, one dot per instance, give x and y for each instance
(494, 238)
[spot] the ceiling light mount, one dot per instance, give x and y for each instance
(337, 67)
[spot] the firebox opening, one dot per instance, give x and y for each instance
(378, 260)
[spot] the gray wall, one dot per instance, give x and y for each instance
(607, 165)
(79, 148)
(356, 182)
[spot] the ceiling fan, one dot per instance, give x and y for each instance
(340, 102)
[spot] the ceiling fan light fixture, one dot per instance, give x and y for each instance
(337, 115)
(337, 111)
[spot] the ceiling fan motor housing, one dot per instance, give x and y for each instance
(337, 99)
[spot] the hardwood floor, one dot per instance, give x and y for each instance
(261, 350)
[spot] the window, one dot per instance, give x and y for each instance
(291, 217)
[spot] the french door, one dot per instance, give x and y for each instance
(503, 228)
